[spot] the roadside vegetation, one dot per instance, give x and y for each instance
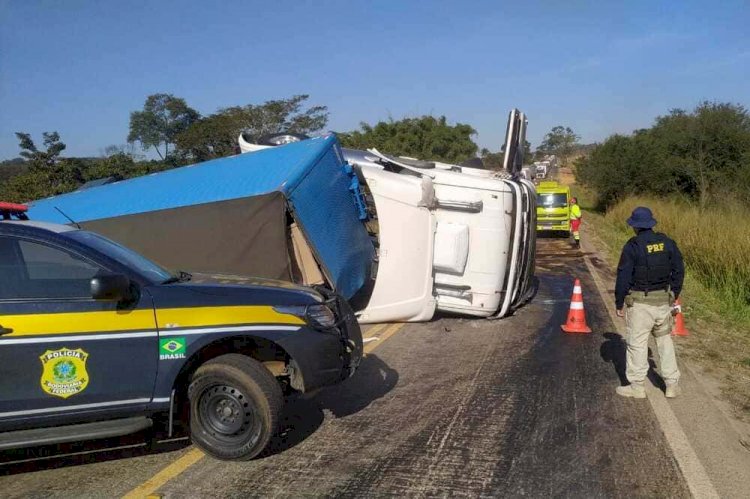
(693, 170)
(703, 156)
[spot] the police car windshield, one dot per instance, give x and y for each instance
(552, 200)
(120, 253)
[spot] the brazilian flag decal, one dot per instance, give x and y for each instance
(172, 348)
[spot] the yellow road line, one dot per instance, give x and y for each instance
(390, 331)
(369, 333)
(150, 486)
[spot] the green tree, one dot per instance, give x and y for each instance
(41, 159)
(707, 150)
(625, 165)
(11, 168)
(491, 160)
(48, 173)
(560, 141)
(284, 115)
(118, 165)
(44, 173)
(126, 149)
(25, 187)
(163, 117)
(703, 154)
(426, 137)
(216, 135)
(494, 160)
(527, 154)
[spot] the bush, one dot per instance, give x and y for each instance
(426, 137)
(702, 155)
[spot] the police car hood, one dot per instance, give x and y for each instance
(218, 282)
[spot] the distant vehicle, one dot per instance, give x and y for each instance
(541, 170)
(97, 342)
(553, 209)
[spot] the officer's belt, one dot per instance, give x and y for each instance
(656, 297)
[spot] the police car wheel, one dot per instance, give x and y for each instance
(235, 404)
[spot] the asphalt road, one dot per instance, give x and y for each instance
(454, 407)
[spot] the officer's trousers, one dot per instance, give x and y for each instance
(642, 320)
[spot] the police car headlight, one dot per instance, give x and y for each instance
(321, 316)
(318, 316)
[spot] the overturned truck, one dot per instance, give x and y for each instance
(449, 238)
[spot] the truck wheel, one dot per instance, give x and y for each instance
(234, 407)
(280, 139)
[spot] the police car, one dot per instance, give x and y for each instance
(96, 341)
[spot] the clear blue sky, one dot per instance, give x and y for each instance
(600, 67)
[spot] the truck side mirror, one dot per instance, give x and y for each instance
(114, 287)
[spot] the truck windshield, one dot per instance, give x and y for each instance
(121, 254)
(552, 200)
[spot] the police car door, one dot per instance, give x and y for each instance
(64, 355)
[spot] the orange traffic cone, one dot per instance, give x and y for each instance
(576, 315)
(679, 323)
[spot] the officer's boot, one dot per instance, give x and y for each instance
(673, 390)
(632, 391)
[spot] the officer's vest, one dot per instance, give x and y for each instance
(653, 263)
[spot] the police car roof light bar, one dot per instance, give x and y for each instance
(7, 210)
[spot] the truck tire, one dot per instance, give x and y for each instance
(235, 404)
(280, 139)
(414, 163)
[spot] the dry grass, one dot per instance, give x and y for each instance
(565, 176)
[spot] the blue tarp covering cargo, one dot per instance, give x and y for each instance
(292, 213)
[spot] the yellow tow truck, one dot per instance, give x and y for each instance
(553, 208)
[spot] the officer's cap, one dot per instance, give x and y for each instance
(642, 218)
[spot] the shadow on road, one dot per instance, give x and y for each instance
(653, 374)
(613, 350)
(303, 415)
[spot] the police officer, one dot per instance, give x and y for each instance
(649, 279)
(575, 221)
